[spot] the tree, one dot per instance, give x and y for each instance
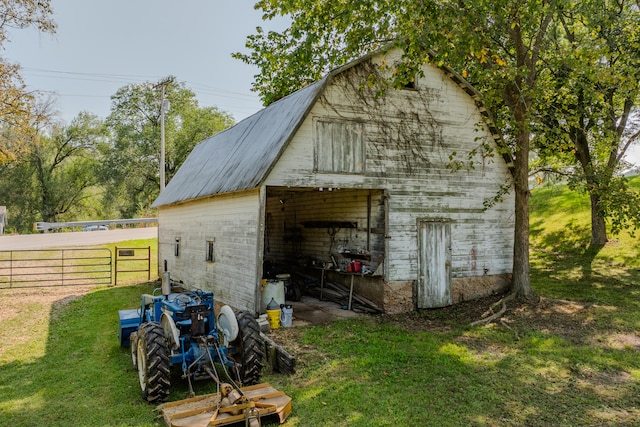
(131, 169)
(16, 103)
(54, 178)
(65, 165)
(21, 14)
(497, 45)
(15, 106)
(585, 125)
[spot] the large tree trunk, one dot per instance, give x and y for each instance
(598, 225)
(521, 285)
(521, 282)
(594, 186)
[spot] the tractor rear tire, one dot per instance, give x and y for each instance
(154, 365)
(249, 349)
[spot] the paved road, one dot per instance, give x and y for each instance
(74, 239)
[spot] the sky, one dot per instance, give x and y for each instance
(101, 46)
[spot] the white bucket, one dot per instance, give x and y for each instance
(286, 315)
(272, 289)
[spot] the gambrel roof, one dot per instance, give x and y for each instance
(241, 157)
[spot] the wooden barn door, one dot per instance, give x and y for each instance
(434, 264)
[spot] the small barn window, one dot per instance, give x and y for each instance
(339, 146)
(177, 248)
(411, 85)
(210, 257)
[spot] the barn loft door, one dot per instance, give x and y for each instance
(434, 264)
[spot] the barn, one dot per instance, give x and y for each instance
(392, 191)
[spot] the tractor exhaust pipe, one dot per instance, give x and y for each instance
(166, 284)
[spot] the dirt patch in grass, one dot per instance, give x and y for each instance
(566, 319)
(14, 300)
(622, 341)
(29, 310)
(446, 318)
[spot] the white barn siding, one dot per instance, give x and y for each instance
(410, 136)
(399, 179)
(232, 222)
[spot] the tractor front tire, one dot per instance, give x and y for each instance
(249, 349)
(153, 363)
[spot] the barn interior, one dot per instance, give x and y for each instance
(327, 243)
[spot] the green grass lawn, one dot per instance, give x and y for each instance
(571, 360)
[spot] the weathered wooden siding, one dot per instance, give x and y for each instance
(434, 264)
(232, 223)
(410, 136)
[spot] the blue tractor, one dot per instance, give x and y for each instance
(176, 328)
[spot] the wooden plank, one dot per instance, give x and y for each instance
(279, 358)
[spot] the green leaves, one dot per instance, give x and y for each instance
(18, 107)
(322, 35)
(590, 91)
(132, 158)
(53, 178)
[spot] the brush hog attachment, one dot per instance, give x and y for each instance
(245, 406)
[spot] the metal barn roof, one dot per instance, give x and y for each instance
(240, 157)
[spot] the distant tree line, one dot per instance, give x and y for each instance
(92, 168)
(98, 168)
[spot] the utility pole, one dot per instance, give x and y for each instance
(163, 84)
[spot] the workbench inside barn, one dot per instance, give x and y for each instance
(352, 291)
(331, 242)
(355, 291)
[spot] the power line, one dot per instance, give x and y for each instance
(129, 78)
(202, 91)
(43, 72)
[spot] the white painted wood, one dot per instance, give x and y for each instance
(434, 264)
(232, 222)
(410, 136)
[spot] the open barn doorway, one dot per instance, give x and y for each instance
(327, 244)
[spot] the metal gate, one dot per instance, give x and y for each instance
(132, 260)
(55, 267)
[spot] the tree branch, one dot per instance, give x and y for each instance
(495, 315)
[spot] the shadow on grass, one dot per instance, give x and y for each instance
(84, 377)
(565, 265)
(371, 372)
(376, 374)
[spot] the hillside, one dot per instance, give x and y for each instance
(560, 236)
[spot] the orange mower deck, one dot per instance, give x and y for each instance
(206, 410)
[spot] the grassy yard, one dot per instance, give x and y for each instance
(571, 360)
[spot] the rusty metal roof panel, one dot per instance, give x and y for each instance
(240, 157)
